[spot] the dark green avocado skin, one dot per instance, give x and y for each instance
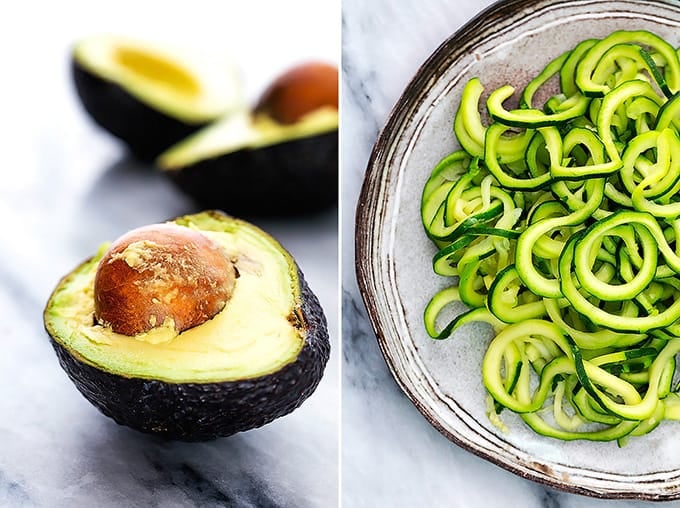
(295, 177)
(206, 411)
(145, 130)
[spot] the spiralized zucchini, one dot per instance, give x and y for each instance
(560, 227)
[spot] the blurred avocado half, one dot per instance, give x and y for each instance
(281, 158)
(122, 325)
(151, 96)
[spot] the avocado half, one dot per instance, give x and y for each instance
(256, 360)
(251, 164)
(149, 96)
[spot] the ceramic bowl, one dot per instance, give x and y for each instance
(507, 43)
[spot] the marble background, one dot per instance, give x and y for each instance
(65, 187)
(391, 456)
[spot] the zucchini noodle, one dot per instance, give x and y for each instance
(560, 227)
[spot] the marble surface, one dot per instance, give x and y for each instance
(65, 187)
(391, 456)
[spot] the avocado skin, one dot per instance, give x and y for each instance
(147, 131)
(289, 178)
(206, 411)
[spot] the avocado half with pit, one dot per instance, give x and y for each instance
(149, 96)
(195, 329)
(280, 158)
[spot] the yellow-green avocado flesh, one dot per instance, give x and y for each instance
(257, 333)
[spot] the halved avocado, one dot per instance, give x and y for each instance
(257, 359)
(149, 96)
(251, 164)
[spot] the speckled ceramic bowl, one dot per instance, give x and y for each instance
(506, 43)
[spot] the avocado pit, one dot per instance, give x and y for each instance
(161, 275)
(299, 91)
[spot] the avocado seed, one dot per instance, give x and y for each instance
(299, 91)
(160, 275)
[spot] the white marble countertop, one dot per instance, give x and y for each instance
(391, 456)
(65, 188)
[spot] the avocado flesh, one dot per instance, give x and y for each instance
(244, 131)
(257, 333)
(180, 85)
